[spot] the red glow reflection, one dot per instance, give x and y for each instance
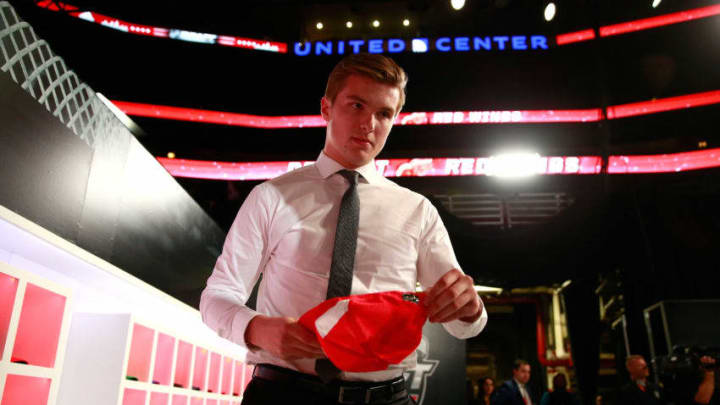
(653, 22)
(572, 37)
(408, 118)
(672, 162)
(479, 166)
(664, 104)
(418, 167)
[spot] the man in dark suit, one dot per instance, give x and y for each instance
(515, 391)
(639, 391)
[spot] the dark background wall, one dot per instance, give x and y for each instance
(113, 200)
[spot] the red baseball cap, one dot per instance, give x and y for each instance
(368, 332)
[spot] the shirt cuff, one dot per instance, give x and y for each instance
(239, 325)
(465, 330)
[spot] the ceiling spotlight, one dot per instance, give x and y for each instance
(457, 4)
(656, 3)
(376, 23)
(406, 22)
(171, 155)
(319, 25)
(550, 11)
(348, 24)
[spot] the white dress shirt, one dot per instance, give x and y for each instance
(524, 393)
(285, 230)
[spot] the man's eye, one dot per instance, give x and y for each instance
(356, 105)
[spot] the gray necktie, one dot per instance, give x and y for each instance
(343, 258)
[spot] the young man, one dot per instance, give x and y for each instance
(286, 230)
(515, 390)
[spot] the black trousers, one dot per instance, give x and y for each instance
(265, 392)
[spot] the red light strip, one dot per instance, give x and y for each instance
(664, 104)
(481, 166)
(219, 117)
(419, 167)
(639, 25)
(139, 29)
(310, 121)
(427, 118)
(578, 36)
(658, 21)
(673, 162)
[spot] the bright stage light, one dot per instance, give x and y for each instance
(348, 24)
(319, 26)
(406, 22)
(457, 4)
(550, 11)
(376, 23)
(656, 3)
(514, 164)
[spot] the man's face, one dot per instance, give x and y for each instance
(359, 120)
(638, 369)
(522, 373)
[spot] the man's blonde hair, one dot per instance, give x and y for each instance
(374, 66)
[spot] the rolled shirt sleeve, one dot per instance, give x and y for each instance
(435, 258)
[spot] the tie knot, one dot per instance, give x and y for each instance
(350, 175)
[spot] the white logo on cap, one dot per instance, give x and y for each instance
(331, 317)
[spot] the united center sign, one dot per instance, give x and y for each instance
(422, 45)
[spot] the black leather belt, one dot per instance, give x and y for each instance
(344, 392)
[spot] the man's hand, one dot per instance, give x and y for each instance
(707, 386)
(707, 363)
(453, 297)
(285, 338)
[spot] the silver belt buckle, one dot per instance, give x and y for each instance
(369, 391)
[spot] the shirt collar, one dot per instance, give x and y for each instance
(327, 166)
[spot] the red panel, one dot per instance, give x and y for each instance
(227, 376)
(664, 104)
(159, 398)
(214, 376)
(38, 331)
(653, 22)
(674, 162)
(572, 37)
(238, 381)
(182, 364)
(8, 290)
(179, 399)
(140, 353)
(163, 359)
(248, 375)
(134, 397)
(200, 369)
(24, 390)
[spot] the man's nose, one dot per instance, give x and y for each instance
(367, 123)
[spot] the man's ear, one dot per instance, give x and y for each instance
(325, 108)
